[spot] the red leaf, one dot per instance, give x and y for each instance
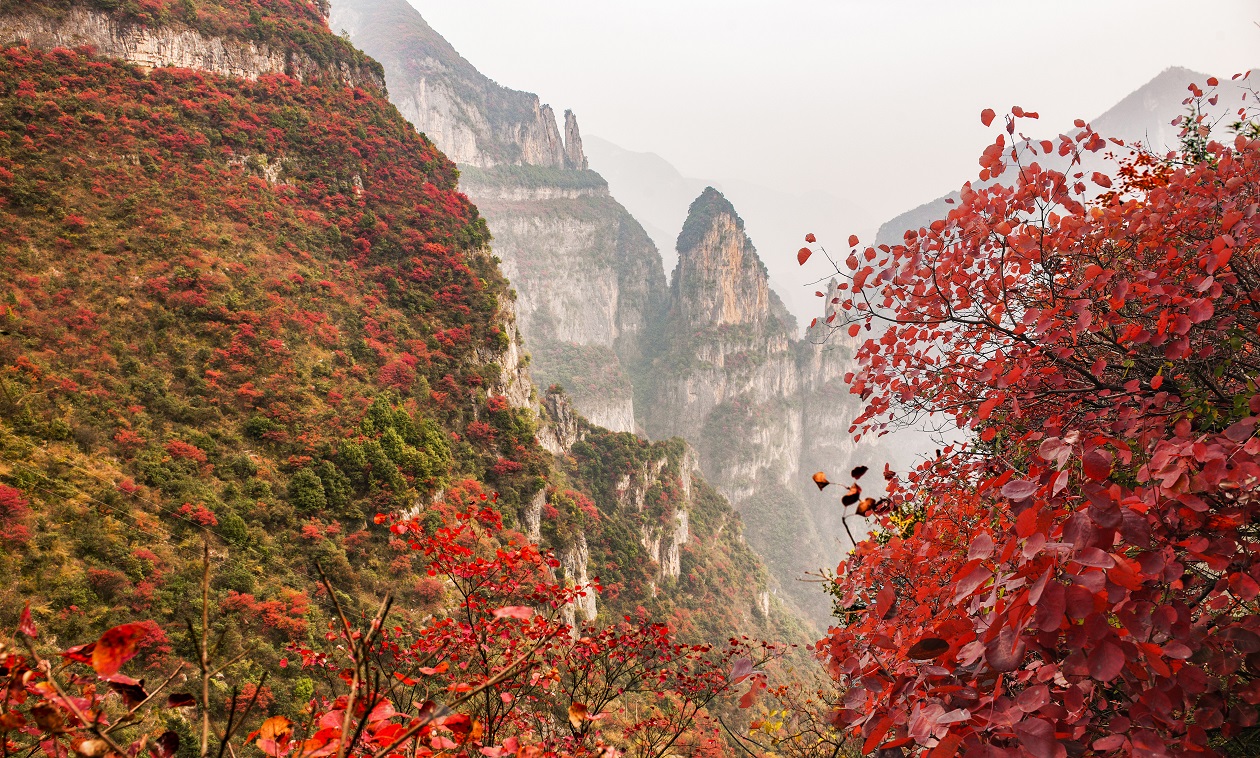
(981, 546)
(25, 624)
(1106, 662)
(884, 601)
(1097, 464)
(1037, 737)
(986, 116)
(758, 684)
(853, 240)
(803, 254)
(1026, 523)
(1033, 698)
(1020, 489)
(972, 576)
(1006, 651)
(115, 647)
(854, 329)
(810, 238)
(877, 735)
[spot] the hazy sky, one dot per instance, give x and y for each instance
(875, 101)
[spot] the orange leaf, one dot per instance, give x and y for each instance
(803, 254)
(577, 714)
(275, 728)
(821, 480)
(115, 647)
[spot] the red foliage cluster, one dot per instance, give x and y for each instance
(499, 673)
(1083, 579)
(13, 512)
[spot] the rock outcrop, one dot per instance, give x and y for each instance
(174, 45)
(575, 157)
(475, 121)
(561, 428)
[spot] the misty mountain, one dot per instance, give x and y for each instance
(658, 195)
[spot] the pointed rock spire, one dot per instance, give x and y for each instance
(575, 157)
(719, 279)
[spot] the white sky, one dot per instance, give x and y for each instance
(875, 101)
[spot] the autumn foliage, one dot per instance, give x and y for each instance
(500, 672)
(1082, 578)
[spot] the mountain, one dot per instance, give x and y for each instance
(712, 356)
(761, 405)
(659, 195)
(1145, 115)
(245, 304)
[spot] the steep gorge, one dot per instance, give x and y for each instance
(712, 356)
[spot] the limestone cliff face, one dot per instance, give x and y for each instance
(719, 280)
(172, 45)
(588, 278)
(475, 121)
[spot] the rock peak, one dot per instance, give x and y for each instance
(703, 213)
(575, 157)
(719, 279)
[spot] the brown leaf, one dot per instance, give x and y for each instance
(821, 480)
(852, 495)
(859, 471)
(866, 506)
(166, 746)
(132, 693)
(180, 700)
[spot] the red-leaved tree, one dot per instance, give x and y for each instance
(1082, 577)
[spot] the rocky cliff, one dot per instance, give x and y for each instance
(177, 45)
(474, 120)
(588, 279)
